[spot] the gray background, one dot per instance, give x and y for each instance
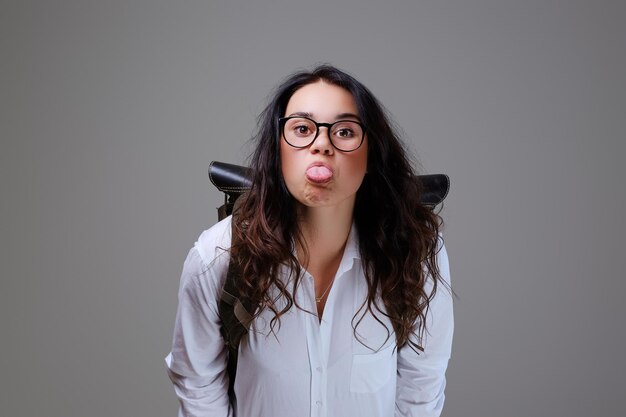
(111, 111)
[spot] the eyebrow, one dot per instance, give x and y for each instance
(340, 116)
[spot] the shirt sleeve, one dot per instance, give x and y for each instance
(421, 377)
(197, 363)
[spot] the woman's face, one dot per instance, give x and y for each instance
(320, 175)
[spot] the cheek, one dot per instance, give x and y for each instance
(352, 173)
(358, 167)
(288, 164)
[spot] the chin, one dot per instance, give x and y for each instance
(315, 198)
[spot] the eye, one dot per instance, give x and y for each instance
(345, 132)
(300, 127)
(301, 130)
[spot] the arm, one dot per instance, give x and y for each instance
(421, 377)
(197, 363)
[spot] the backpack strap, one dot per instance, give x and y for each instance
(232, 180)
(236, 316)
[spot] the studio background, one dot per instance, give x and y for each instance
(110, 112)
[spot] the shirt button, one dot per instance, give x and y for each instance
(319, 369)
(318, 403)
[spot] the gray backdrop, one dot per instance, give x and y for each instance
(111, 111)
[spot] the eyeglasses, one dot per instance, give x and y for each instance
(301, 132)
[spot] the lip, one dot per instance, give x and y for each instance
(320, 164)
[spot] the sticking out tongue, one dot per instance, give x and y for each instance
(319, 174)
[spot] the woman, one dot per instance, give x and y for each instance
(347, 267)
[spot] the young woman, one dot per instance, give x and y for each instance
(347, 267)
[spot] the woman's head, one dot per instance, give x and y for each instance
(380, 140)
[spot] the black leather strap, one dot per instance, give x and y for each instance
(234, 180)
(435, 188)
(235, 315)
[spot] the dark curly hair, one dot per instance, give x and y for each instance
(398, 236)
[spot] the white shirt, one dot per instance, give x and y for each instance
(308, 368)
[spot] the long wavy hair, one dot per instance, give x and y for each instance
(398, 236)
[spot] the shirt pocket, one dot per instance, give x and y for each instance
(372, 371)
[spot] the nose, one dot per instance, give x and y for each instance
(322, 143)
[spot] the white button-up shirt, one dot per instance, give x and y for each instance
(307, 367)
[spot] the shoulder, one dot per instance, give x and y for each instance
(442, 259)
(444, 282)
(206, 264)
(215, 241)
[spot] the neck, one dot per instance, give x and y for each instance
(326, 229)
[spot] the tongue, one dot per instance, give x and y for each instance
(319, 174)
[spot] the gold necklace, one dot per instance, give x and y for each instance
(319, 299)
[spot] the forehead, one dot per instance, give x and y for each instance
(321, 100)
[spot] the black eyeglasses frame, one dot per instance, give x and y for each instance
(283, 120)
